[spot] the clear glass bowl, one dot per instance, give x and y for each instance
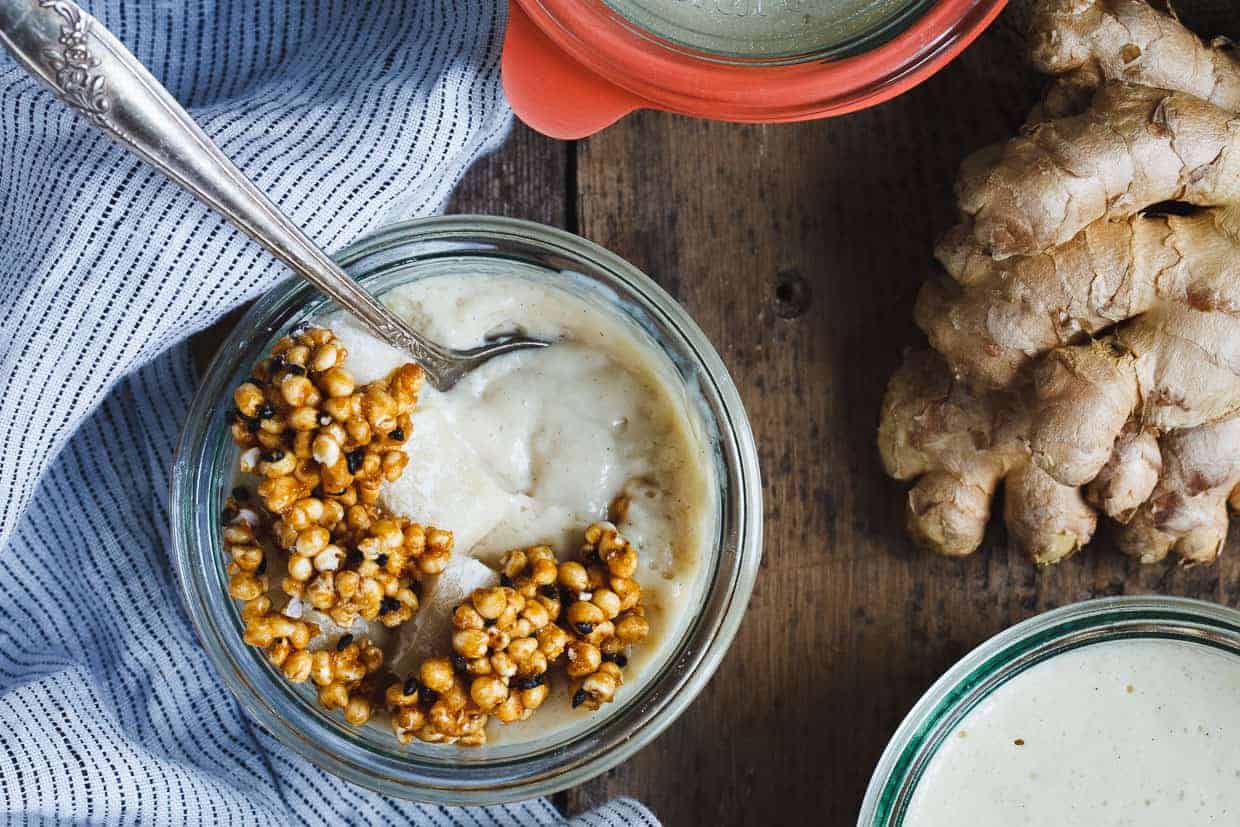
(370, 756)
(1011, 652)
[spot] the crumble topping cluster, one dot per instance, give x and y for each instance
(580, 615)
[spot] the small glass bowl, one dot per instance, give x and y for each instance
(1011, 652)
(370, 756)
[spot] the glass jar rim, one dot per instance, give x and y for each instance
(662, 696)
(1005, 655)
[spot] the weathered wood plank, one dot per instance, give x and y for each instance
(799, 249)
(525, 179)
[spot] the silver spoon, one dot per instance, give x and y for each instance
(91, 71)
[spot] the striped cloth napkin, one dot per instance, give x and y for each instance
(351, 114)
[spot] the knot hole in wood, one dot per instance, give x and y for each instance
(792, 294)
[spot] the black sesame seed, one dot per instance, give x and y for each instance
(241, 493)
(266, 412)
(505, 581)
(250, 422)
(325, 420)
(343, 643)
(411, 685)
(253, 425)
(277, 362)
(531, 681)
(398, 435)
(295, 370)
(262, 567)
(353, 460)
(272, 456)
(579, 697)
(228, 514)
(488, 622)
(459, 663)
(584, 628)
(317, 493)
(382, 559)
(429, 695)
(388, 604)
(353, 558)
(550, 592)
(617, 658)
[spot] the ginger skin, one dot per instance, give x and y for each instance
(1089, 306)
(1130, 40)
(961, 445)
(1187, 510)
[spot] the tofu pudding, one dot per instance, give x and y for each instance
(532, 447)
(1141, 733)
(520, 457)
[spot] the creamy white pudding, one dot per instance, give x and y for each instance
(1139, 732)
(533, 447)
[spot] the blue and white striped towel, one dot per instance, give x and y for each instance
(351, 115)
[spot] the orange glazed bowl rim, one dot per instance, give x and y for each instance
(664, 75)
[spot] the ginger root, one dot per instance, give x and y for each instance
(1087, 322)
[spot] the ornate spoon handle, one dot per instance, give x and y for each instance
(91, 71)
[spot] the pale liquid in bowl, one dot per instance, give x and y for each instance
(1138, 733)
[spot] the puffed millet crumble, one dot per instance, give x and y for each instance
(322, 448)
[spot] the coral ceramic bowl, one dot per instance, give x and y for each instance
(572, 67)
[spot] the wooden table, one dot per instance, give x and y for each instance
(799, 249)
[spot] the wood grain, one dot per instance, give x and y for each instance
(528, 179)
(799, 249)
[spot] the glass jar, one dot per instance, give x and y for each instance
(571, 67)
(370, 755)
(1010, 653)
